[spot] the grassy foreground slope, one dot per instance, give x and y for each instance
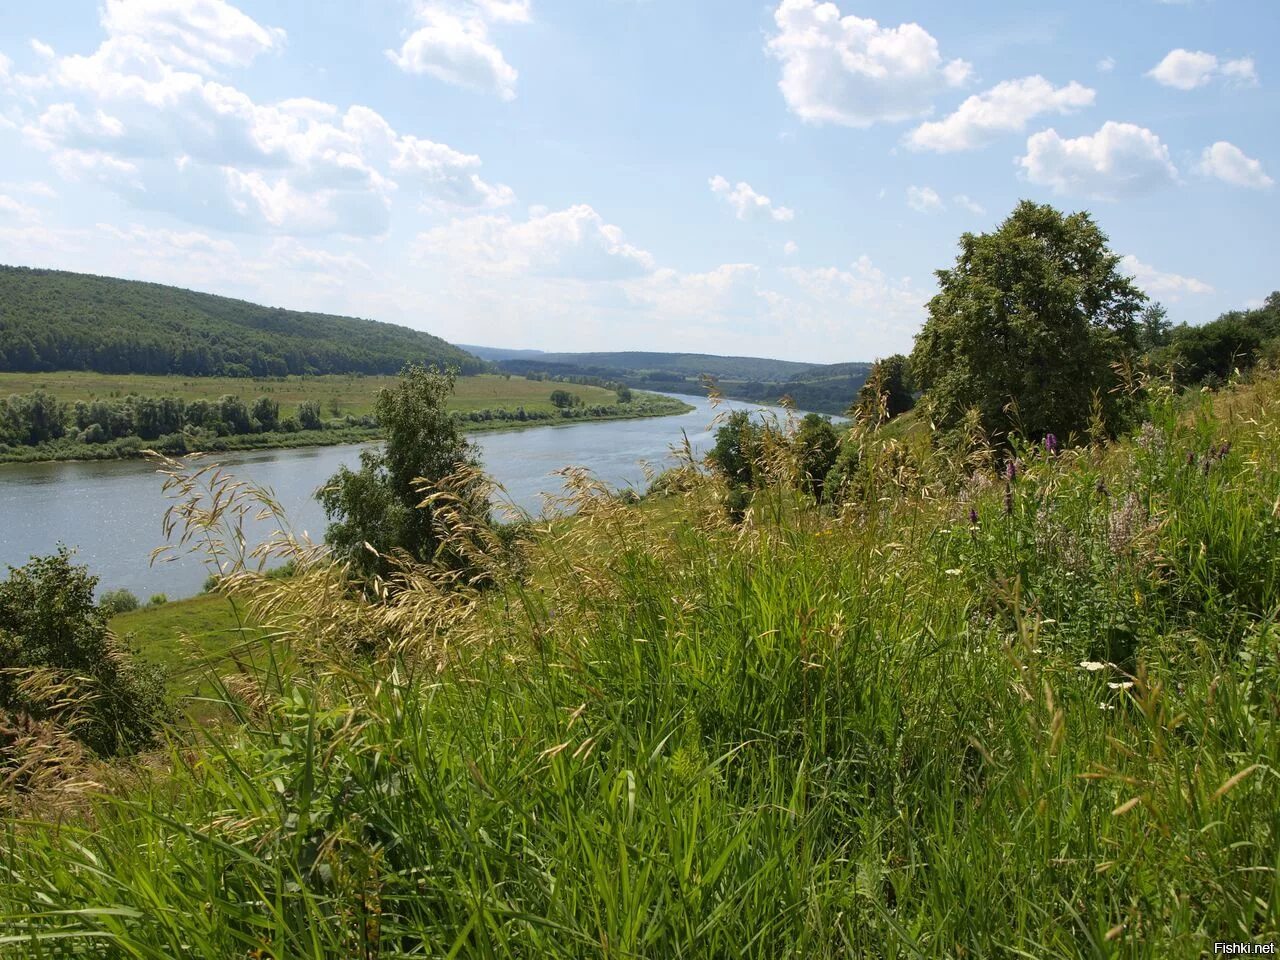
(972, 714)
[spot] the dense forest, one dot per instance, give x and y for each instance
(825, 388)
(55, 320)
(1208, 354)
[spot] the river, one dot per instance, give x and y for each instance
(110, 512)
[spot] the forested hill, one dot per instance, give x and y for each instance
(55, 320)
(687, 364)
(823, 388)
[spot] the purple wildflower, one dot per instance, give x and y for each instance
(1011, 471)
(973, 516)
(1050, 444)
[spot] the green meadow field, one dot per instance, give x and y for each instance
(338, 395)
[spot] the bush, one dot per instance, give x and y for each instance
(157, 600)
(59, 664)
(118, 601)
(309, 415)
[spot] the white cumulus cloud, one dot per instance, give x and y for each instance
(1169, 286)
(574, 243)
(1188, 69)
(924, 199)
(1121, 159)
(1006, 107)
(11, 209)
(1230, 164)
(852, 71)
(453, 43)
(200, 34)
(859, 306)
(746, 203)
(139, 116)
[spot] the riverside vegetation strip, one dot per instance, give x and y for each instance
(976, 713)
(342, 405)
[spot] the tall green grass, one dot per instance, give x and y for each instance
(967, 716)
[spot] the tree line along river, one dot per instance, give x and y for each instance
(110, 512)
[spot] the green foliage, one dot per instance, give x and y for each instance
(58, 662)
(1154, 327)
(377, 512)
(1033, 314)
(117, 601)
(817, 445)
(266, 414)
(33, 419)
(53, 320)
(158, 600)
(889, 388)
(737, 449)
(563, 399)
(309, 415)
(1209, 354)
(123, 425)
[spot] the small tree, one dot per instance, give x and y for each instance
(564, 399)
(736, 450)
(889, 383)
(266, 412)
(816, 445)
(1028, 321)
(50, 624)
(309, 415)
(379, 504)
(1154, 327)
(117, 601)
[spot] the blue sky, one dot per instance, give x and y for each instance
(775, 179)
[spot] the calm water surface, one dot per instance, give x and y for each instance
(110, 512)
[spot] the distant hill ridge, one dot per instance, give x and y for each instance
(689, 364)
(823, 388)
(58, 320)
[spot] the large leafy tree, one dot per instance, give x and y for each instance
(379, 504)
(1027, 325)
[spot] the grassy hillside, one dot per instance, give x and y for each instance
(54, 320)
(966, 714)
